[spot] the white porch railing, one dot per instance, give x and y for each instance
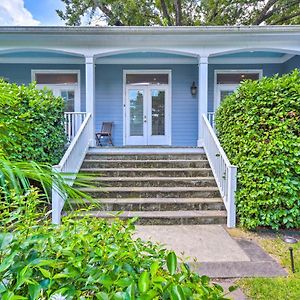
(224, 173)
(73, 121)
(70, 164)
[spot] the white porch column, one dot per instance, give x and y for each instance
(90, 93)
(202, 95)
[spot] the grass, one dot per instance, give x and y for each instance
(283, 288)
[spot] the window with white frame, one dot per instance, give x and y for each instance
(63, 83)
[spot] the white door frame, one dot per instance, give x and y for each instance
(168, 113)
(56, 87)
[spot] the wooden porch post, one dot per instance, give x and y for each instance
(202, 95)
(90, 93)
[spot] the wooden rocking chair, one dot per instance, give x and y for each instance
(106, 131)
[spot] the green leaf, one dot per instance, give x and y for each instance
(154, 268)
(144, 282)
(5, 240)
(177, 293)
(45, 273)
(102, 296)
(34, 291)
(172, 262)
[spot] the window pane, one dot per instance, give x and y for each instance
(69, 97)
(147, 79)
(158, 112)
(44, 78)
(235, 78)
(224, 94)
(136, 99)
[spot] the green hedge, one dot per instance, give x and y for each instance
(41, 137)
(259, 128)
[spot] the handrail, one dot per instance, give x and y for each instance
(224, 172)
(70, 164)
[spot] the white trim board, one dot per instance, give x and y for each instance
(77, 104)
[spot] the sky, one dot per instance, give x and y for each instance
(30, 12)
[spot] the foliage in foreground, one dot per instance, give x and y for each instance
(286, 288)
(33, 121)
(259, 128)
(87, 259)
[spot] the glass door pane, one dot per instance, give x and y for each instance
(158, 112)
(224, 94)
(136, 102)
(69, 97)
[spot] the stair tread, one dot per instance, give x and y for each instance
(159, 214)
(143, 169)
(148, 189)
(145, 160)
(151, 178)
(152, 200)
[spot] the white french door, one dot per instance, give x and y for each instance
(147, 115)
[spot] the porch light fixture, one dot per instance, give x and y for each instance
(193, 89)
(291, 240)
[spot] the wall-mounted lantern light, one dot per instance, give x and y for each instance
(193, 89)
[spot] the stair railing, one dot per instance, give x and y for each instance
(224, 172)
(70, 164)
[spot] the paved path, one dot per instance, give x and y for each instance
(210, 250)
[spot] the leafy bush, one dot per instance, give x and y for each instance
(41, 137)
(86, 259)
(259, 128)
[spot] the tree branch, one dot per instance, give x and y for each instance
(286, 18)
(107, 11)
(165, 12)
(263, 14)
(178, 12)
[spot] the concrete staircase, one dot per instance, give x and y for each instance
(159, 189)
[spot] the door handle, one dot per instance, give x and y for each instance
(145, 119)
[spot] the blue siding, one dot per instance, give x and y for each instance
(21, 74)
(268, 70)
(109, 92)
(109, 100)
(292, 64)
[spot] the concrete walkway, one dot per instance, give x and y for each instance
(210, 250)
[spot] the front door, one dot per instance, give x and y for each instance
(147, 115)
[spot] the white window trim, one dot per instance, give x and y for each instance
(77, 104)
(150, 71)
(230, 71)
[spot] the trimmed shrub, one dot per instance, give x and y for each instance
(42, 137)
(259, 128)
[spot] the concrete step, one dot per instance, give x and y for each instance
(154, 181)
(146, 156)
(165, 217)
(152, 192)
(154, 172)
(153, 204)
(142, 163)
